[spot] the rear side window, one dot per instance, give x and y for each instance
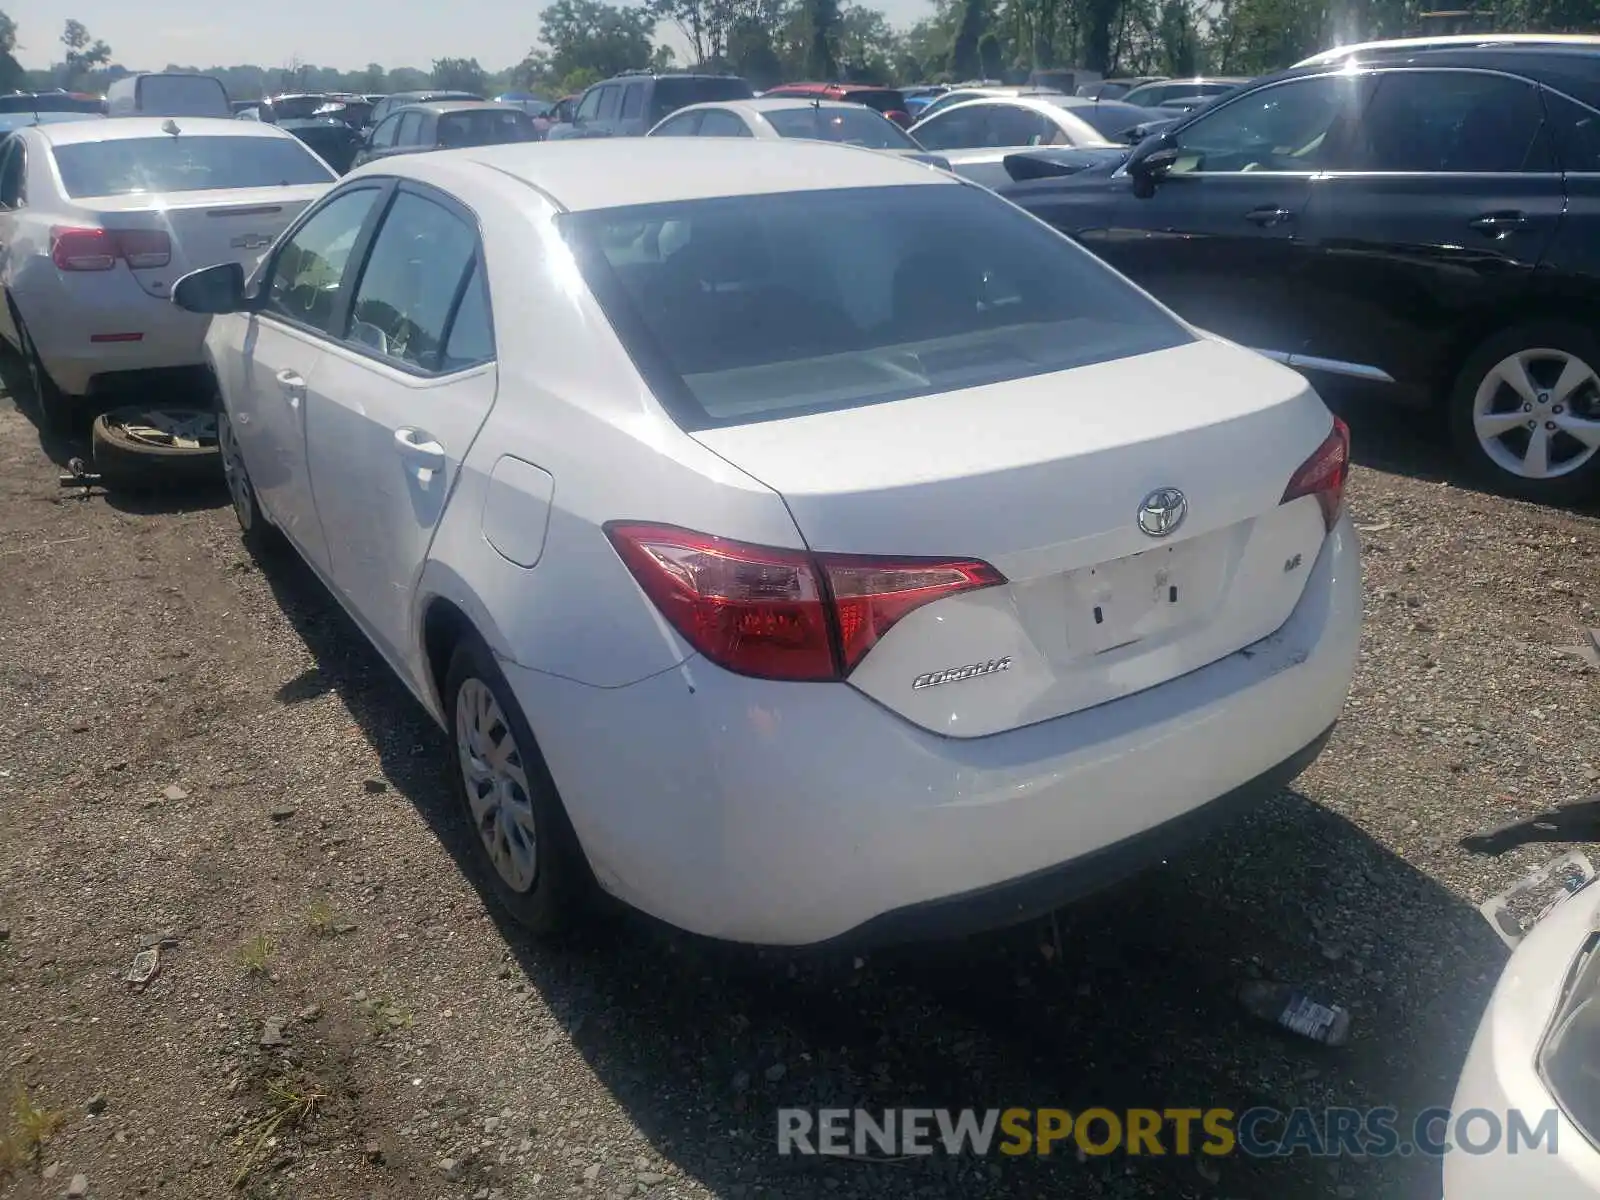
(1451, 121)
(471, 332)
(749, 308)
(719, 122)
(632, 101)
(12, 160)
(671, 93)
(414, 274)
(485, 127)
(410, 129)
(1576, 131)
(608, 103)
(126, 166)
(384, 135)
(955, 130)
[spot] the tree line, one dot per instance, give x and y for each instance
(770, 41)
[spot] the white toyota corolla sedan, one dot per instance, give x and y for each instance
(98, 218)
(798, 543)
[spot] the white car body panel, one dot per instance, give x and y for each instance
(753, 114)
(793, 812)
(63, 310)
(1500, 1072)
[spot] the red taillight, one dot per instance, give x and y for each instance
(1323, 474)
(782, 614)
(99, 249)
(82, 249)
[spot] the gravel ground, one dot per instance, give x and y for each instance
(206, 758)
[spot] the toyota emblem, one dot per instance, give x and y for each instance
(1162, 511)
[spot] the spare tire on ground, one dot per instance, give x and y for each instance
(156, 447)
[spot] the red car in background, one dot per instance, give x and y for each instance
(886, 100)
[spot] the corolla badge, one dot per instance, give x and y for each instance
(1162, 511)
(959, 674)
(251, 241)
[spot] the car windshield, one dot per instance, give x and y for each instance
(857, 126)
(749, 308)
(122, 166)
(486, 127)
(673, 92)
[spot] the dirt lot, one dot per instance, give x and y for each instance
(203, 756)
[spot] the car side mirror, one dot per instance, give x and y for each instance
(212, 290)
(1147, 170)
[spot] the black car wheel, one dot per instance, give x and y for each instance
(1525, 412)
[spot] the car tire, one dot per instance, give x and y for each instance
(1514, 404)
(522, 841)
(261, 537)
(58, 412)
(124, 459)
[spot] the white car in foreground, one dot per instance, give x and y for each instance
(1537, 1051)
(98, 218)
(794, 117)
(798, 542)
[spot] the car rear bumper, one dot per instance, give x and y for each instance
(794, 814)
(64, 323)
(1500, 1073)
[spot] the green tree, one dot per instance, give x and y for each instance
(819, 20)
(590, 36)
(460, 75)
(84, 52)
(12, 76)
(866, 45)
(373, 79)
(964, 60)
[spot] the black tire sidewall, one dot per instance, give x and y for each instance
(55, 408)
(1554, 335)
(563, 888)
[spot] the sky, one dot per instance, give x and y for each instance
(148, 34)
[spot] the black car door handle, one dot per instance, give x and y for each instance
(1498, 224)
(1269, 216)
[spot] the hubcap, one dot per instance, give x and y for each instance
(233, 471)
(497, 785)
(1537, 414)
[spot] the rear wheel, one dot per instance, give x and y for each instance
(521, 837)
(58, 412)
(1525, 412)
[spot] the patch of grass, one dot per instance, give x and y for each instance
(320, 917)
(30, 1128)
(385, 1016)
(291, 1101)
(256, 953)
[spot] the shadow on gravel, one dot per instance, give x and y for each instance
(1133, 1005)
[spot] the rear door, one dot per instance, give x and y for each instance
(1576, 131)
(280, 354)
(1217, 239)
(1444, 203)
(397, 402)
(13, 165)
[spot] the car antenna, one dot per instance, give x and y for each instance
(170, 126)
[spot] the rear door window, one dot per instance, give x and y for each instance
(410, 129)
(749, 308)
(411, 282)
(384, 135)
(126, 166)
(1576, 131)
(632, 101)
(608, 103)
(1451, 121)
(13, 158)
(957, 129)
(684, 125)
(719, 122)
(1013, 125)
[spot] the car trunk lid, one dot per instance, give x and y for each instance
(1045, 478)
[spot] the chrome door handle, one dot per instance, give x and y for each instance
(1268, 216)
(1497, 225)
(420, 449)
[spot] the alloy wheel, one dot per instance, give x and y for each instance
(496, 782)
(233, 470)
(1537, 413)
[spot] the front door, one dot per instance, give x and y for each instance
(1217, 241)
(397, 403)
(282, 353)
(1444, 202)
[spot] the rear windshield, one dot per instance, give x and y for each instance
(750, 308)
(880, 100)
(288, 108)
(182, 95)
(672, 93)
(485, 127)
(122, 166)
(857, 126)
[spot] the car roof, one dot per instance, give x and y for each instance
(1450, 41)
(831, 87)
(761, 104)
(1573, 69)
(118, 128)
(595, 173)
(454, 106)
